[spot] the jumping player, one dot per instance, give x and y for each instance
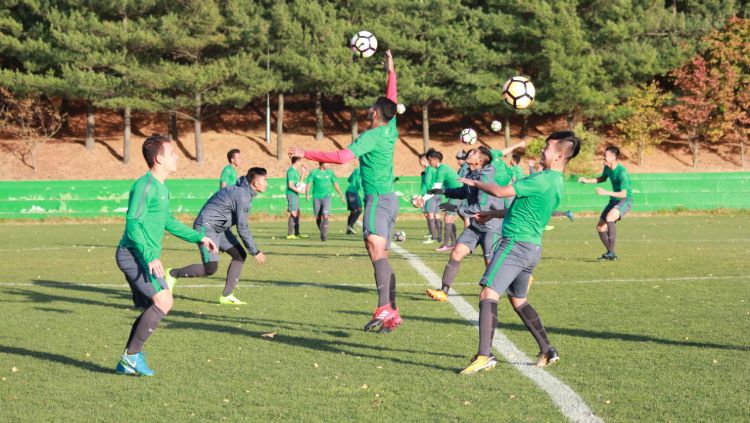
(293, 191)
(521, 247)
(353, 200)
(228, 207)
(620, 200)
(138, 254)
(374, 149)
(229, 173)
(320, 181)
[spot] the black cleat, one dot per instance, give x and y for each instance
(607, 257)
(545, 359)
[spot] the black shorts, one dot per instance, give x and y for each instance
(143, 284)
(623, 205)
(353, 201)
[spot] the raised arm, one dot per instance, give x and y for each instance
(513, 147)
(391, 90)
(337, 157)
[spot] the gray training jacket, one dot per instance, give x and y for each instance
(477, 200)
(229, 207)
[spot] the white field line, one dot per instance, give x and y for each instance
(570, 404)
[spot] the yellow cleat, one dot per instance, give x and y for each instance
(230, 299)
(549, 228)
(292, 237)
(480, 362)
(437, 295)
(170, 280)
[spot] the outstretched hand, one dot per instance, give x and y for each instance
(210, 244)
(389, 62)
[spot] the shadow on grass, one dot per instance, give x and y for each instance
(56, 358)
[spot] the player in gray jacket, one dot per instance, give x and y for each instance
(228, 207)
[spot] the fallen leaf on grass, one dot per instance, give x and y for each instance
(14, 370)
(269, 335)
(315, 365)
(364, 386)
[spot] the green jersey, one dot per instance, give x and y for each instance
(463, 170)
(228, 175)
(321, 182)
(374, 149)
(517, 172)
(620, 180)
(292, 175)
(446, 177)
(428, 180)
(355, 181)
(537, 196)
(502, 172)
(147, 218)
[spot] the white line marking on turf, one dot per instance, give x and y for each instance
(570, 404)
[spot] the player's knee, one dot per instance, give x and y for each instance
(163, 301)
(516, 302)
(211, 267)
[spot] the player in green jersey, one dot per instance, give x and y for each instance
(229, 173)
(353, 200)
(321, 182)
(294, 187)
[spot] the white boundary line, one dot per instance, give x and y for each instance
(570, 404)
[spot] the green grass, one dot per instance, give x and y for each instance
(661, 335)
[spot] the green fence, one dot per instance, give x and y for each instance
(662, 191)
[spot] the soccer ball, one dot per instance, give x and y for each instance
(364, 44)
(301, 186)
(468, 136)
(519, 92)
(400, 108)
(496, 125)
(400, 236)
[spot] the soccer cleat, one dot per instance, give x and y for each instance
(169, 279)
(549, 228)
(392, 323)
(480, 362)
(437, 295)
(133, 364)
(380, 315)
(428, 241)
(569, 215)
(444, 248)
(350, 231)
(230, 299)
(302, 236)
(607, 257)
(545, 359)
(292, 237)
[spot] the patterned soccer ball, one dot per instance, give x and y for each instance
(496, 125)
(468, 136)
(364, 44)
(399, 236)
(519, 92)
(400, 108)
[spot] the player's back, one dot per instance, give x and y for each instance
(537, 197)
(374, 148)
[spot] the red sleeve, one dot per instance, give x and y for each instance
(338, 157)
(390, 88)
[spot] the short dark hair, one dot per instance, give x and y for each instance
(431, 153)
(296, 159)
(385, 107)
(231, 153)
(486, 152)
(567, 140)
(255, 171)
(153, 146)
(461, 154)
(614, 150)
(516, 157)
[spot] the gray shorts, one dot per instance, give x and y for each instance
(292, 202)
(353, 201)
(511, 267)
(456, 203)
(224, 240)
(322, 206)
(380, 216)
(143, 284)
(623, 205)
(433, 204)
(472, 237)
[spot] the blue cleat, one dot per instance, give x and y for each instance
(133, 364)
(569, 215)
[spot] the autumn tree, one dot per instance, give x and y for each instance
(641, 128)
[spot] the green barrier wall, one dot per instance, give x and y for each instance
(39, 199)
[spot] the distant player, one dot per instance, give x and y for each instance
(463, 168)
(229, 173)
(516, 172)
(321, 182)
(518, 253)
(374, 149)
(294, 187)
(445, 177)
(229, 207)
(353, 200)
(431, 203)
(620, 200)
(138, 254)
(427, 173)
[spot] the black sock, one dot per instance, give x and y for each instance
(383, 272)
(233, 276)
(317, 222)
(132, 329)
(349, 221)
(324, 229)
(392, 290)
(487, 324)
(429, 226)
(450, 234)
(449, 274)
(439, 230)
(143, 327)
(432, 224)
(531, 319)
(189, 271)
(612, 232)
(453, 234)
(605, 239)
(290, 226)
(296, 225)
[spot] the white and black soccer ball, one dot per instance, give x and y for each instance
(399, 236)
(519, 92)
(468, 136)
(364, 44)
(496, 125)
(400, 108)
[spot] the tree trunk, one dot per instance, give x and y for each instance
(355, 123)
(280, 128)
(126, 136)
(641, 148)
(198, 145)
(90, 123)
(742, 154)
(573, 119)
(506, 133)
(173, 126)
(525, 127)
(694, 149)
(318, 115)
(425, 126)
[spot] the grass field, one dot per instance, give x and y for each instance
(661, 335)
